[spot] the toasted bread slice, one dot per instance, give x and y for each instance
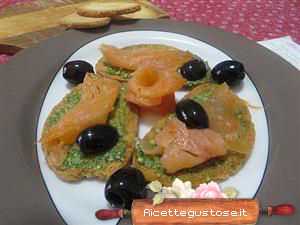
(70, 164)
(80, 22)
(217, 169)
(107, 9)
(148, 11)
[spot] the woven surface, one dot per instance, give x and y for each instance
(255, 19)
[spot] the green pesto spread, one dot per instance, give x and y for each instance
(149, 161)
(244, 123)
(76, 159)
(59, 111)
(203, 97)
(118, 119)
(117, 71)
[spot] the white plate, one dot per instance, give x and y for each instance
(77, 202)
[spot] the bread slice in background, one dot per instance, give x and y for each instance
(80, 22)
(107, 9)
(148, 11)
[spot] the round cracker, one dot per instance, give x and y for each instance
(80, 22)
(107, 9)
(218, 169)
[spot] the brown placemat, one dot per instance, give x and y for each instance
(26, 24)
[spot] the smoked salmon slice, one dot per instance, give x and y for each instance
(133, 58)
(155, 71)
(149, 86)
(151, 82)
(97, 101)
(168, 105)
(182, 148)
(228, 115)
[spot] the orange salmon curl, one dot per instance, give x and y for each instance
(155, 73)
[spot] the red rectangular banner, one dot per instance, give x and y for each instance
(196, 211)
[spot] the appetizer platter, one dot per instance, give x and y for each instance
(141, 108)
(171, 107)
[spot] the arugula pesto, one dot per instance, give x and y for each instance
(76, 159)
(67, 104)
(118, 118)
(241, 114)
(147, 160)
(116, 71)
(203, 97)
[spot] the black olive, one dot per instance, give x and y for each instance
(75, 71)
(192, 114)
(97, 139)
(193, 70)
(230, 71)
(124, 186)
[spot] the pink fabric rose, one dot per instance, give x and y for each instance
(4, 58)
(210, 190)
